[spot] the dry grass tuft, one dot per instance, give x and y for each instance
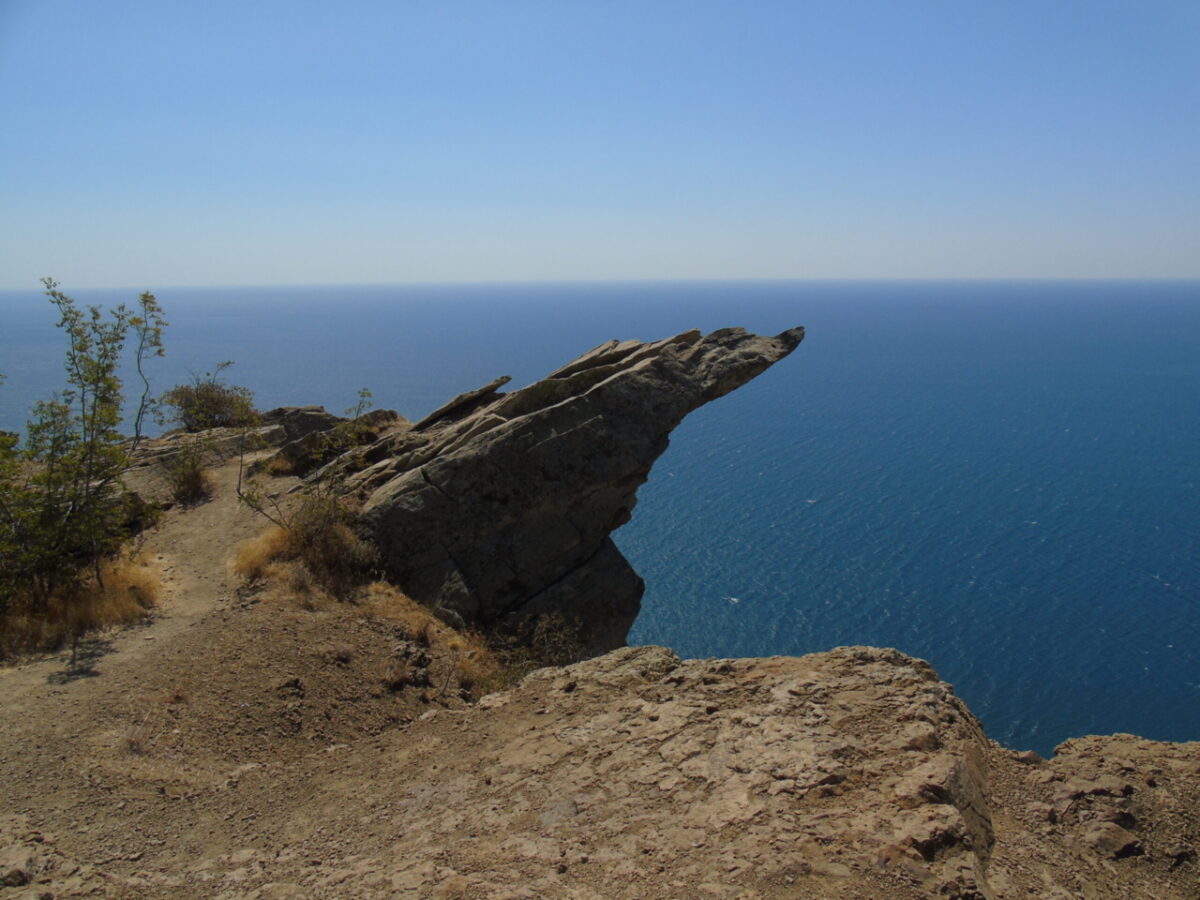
(139, 739)
(131, 589)
(419, 624)
(255, 556)
(546, 640)
(300, 580)
(467, 661)
(476, 668)
(399, 675)
(279, 466)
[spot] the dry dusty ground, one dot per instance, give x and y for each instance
(245, 745)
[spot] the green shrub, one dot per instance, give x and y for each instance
(208, 402)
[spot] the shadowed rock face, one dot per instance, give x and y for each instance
(498, 507)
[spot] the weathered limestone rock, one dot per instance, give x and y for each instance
(498, 507)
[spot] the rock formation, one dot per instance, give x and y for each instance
(496, 509)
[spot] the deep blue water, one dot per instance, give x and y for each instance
(1000, 478)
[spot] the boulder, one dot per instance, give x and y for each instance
(300, 421)
(496, 511)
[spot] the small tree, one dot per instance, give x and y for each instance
(61, 511)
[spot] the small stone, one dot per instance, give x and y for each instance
(1112, 841)
(16, 867)
(1180, 854)
(1042, 812)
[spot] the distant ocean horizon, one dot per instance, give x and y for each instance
(998, 477)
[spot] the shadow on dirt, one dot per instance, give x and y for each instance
(83, 659)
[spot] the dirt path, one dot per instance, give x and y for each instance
(192, 549)
(123, 767)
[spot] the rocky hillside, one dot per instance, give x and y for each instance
(266, 740)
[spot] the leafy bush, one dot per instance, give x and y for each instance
(322, 536)
(208, 402)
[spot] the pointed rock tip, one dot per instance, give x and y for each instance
(792, 337)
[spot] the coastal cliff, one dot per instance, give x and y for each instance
(261, 738)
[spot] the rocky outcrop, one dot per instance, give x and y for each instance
(300, 421)
(314, 448)
(496, 510)
(854, 774)
(147, 483)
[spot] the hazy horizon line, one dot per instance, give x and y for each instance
(551, 282)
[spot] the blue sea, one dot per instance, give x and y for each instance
(1001, 478)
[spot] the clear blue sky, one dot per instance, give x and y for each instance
(176, 143)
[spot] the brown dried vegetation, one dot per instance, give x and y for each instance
(128, 590)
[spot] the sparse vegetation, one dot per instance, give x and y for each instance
(547, 640)
(319, 535)
(279, 466)
(323, 538)
(319, 530)
(398, 675)
(139, 739)
(254, 557)
(417, 624)
(465, 661)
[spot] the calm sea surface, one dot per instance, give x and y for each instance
(1001, 478)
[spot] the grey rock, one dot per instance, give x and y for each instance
(464, 404)
(299, 421)
(497, 509)
(315, 448)
(217, 444)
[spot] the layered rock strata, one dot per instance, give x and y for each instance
(496, 509)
